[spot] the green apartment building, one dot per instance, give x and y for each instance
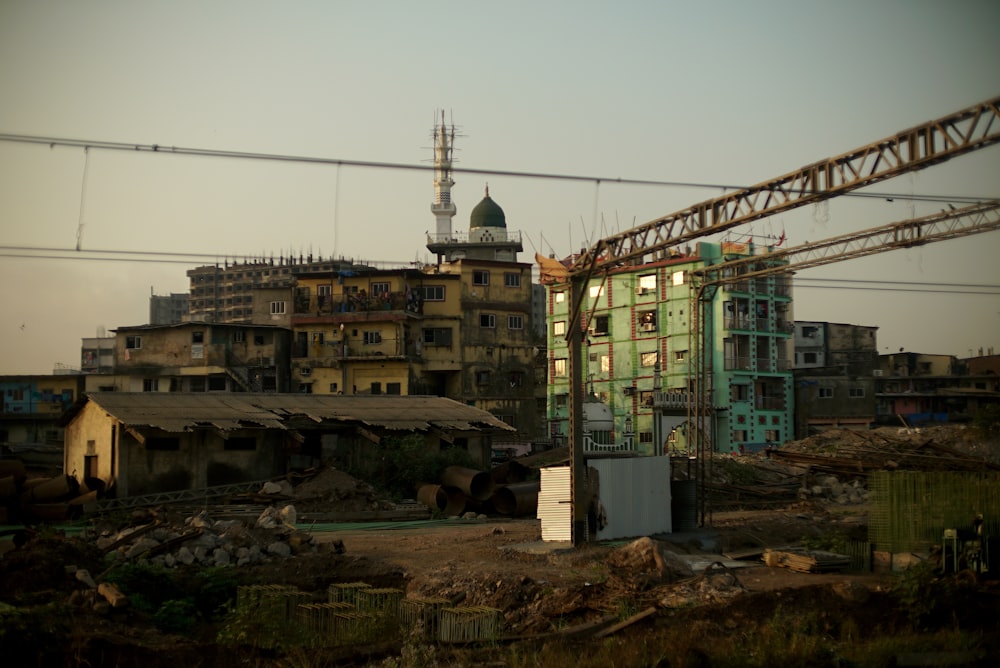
(641, 343)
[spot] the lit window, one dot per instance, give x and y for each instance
(560, 297)
(559, 328)
(559, 367)
(648, 359)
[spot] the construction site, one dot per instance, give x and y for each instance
(818, 537)
(848, 547)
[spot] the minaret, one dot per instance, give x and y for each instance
(443, 208)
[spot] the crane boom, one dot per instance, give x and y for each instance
(910, 150)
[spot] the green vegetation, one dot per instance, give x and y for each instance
(175, 603)
(398, 465)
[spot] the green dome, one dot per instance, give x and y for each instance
(487, 214)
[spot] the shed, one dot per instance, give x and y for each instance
(152, 442)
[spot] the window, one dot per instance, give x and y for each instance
(511, 280)
(380, 288)
(133, 342)
(393, 388)
(324, 290)
(605, 363)
(437, 336)
(150, 384)
(596, 291)
(487, 320)
(258, 340)
(825, 393)
(562, 400)
(305, 371)
(559, 328)
(739, 435)
(856, 392)
(809, 358)
(333, 388)
(432, 293)
(482, 378)
(197, 337)
(648, 359)
(677, 278)
(647, 283)
(277, 308)
(516, 379)
(318, 337)
(647, 321)
(480, 277)
(739, 392)
(680, 356)
(372, 338)
(600, 326)
(645, 437)
(772, 435)
(559, 367)
(515, 322)
(239, 336)
(240, 443)
(376, 387)
(560, 297)
(163, 443)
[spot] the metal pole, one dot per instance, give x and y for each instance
(578, 473)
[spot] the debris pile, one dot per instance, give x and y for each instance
(202, 541)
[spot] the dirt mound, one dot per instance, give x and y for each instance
(333, 490)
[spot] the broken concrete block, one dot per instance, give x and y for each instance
(112, 595)
(83, 575)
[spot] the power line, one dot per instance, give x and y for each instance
(87, 144)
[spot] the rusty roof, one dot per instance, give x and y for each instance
(186, 411)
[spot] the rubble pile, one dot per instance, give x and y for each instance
(201, 541)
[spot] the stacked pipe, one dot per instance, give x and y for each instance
(462, 489)
(54, 499)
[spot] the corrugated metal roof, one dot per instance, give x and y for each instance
(184, 411)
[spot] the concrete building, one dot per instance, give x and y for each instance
(917, 388)
(30, 408)
(168, 309)
(836, 366)
(200, 357)
(461, 328)
(97, 355)
(641, 339)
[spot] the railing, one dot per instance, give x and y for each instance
(675, 399)
(737, 322)
(740, 362)
(591, 447)
(359, 302)
(497, 234)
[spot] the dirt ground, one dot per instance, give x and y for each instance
(711, 579)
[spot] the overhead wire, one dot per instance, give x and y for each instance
(368, 164)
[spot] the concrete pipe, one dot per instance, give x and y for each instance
(477, 484)
(448, 500)
(517, 500)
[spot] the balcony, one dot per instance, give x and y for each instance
(359, 302)
(675, 399)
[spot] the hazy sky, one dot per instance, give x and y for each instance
(697, 92)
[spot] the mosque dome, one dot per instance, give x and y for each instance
(487, 214)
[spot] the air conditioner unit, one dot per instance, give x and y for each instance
(629, 391)
(640, 291)
(647, 327)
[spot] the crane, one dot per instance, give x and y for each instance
(916, 148)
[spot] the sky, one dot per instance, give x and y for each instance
(723, 93)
